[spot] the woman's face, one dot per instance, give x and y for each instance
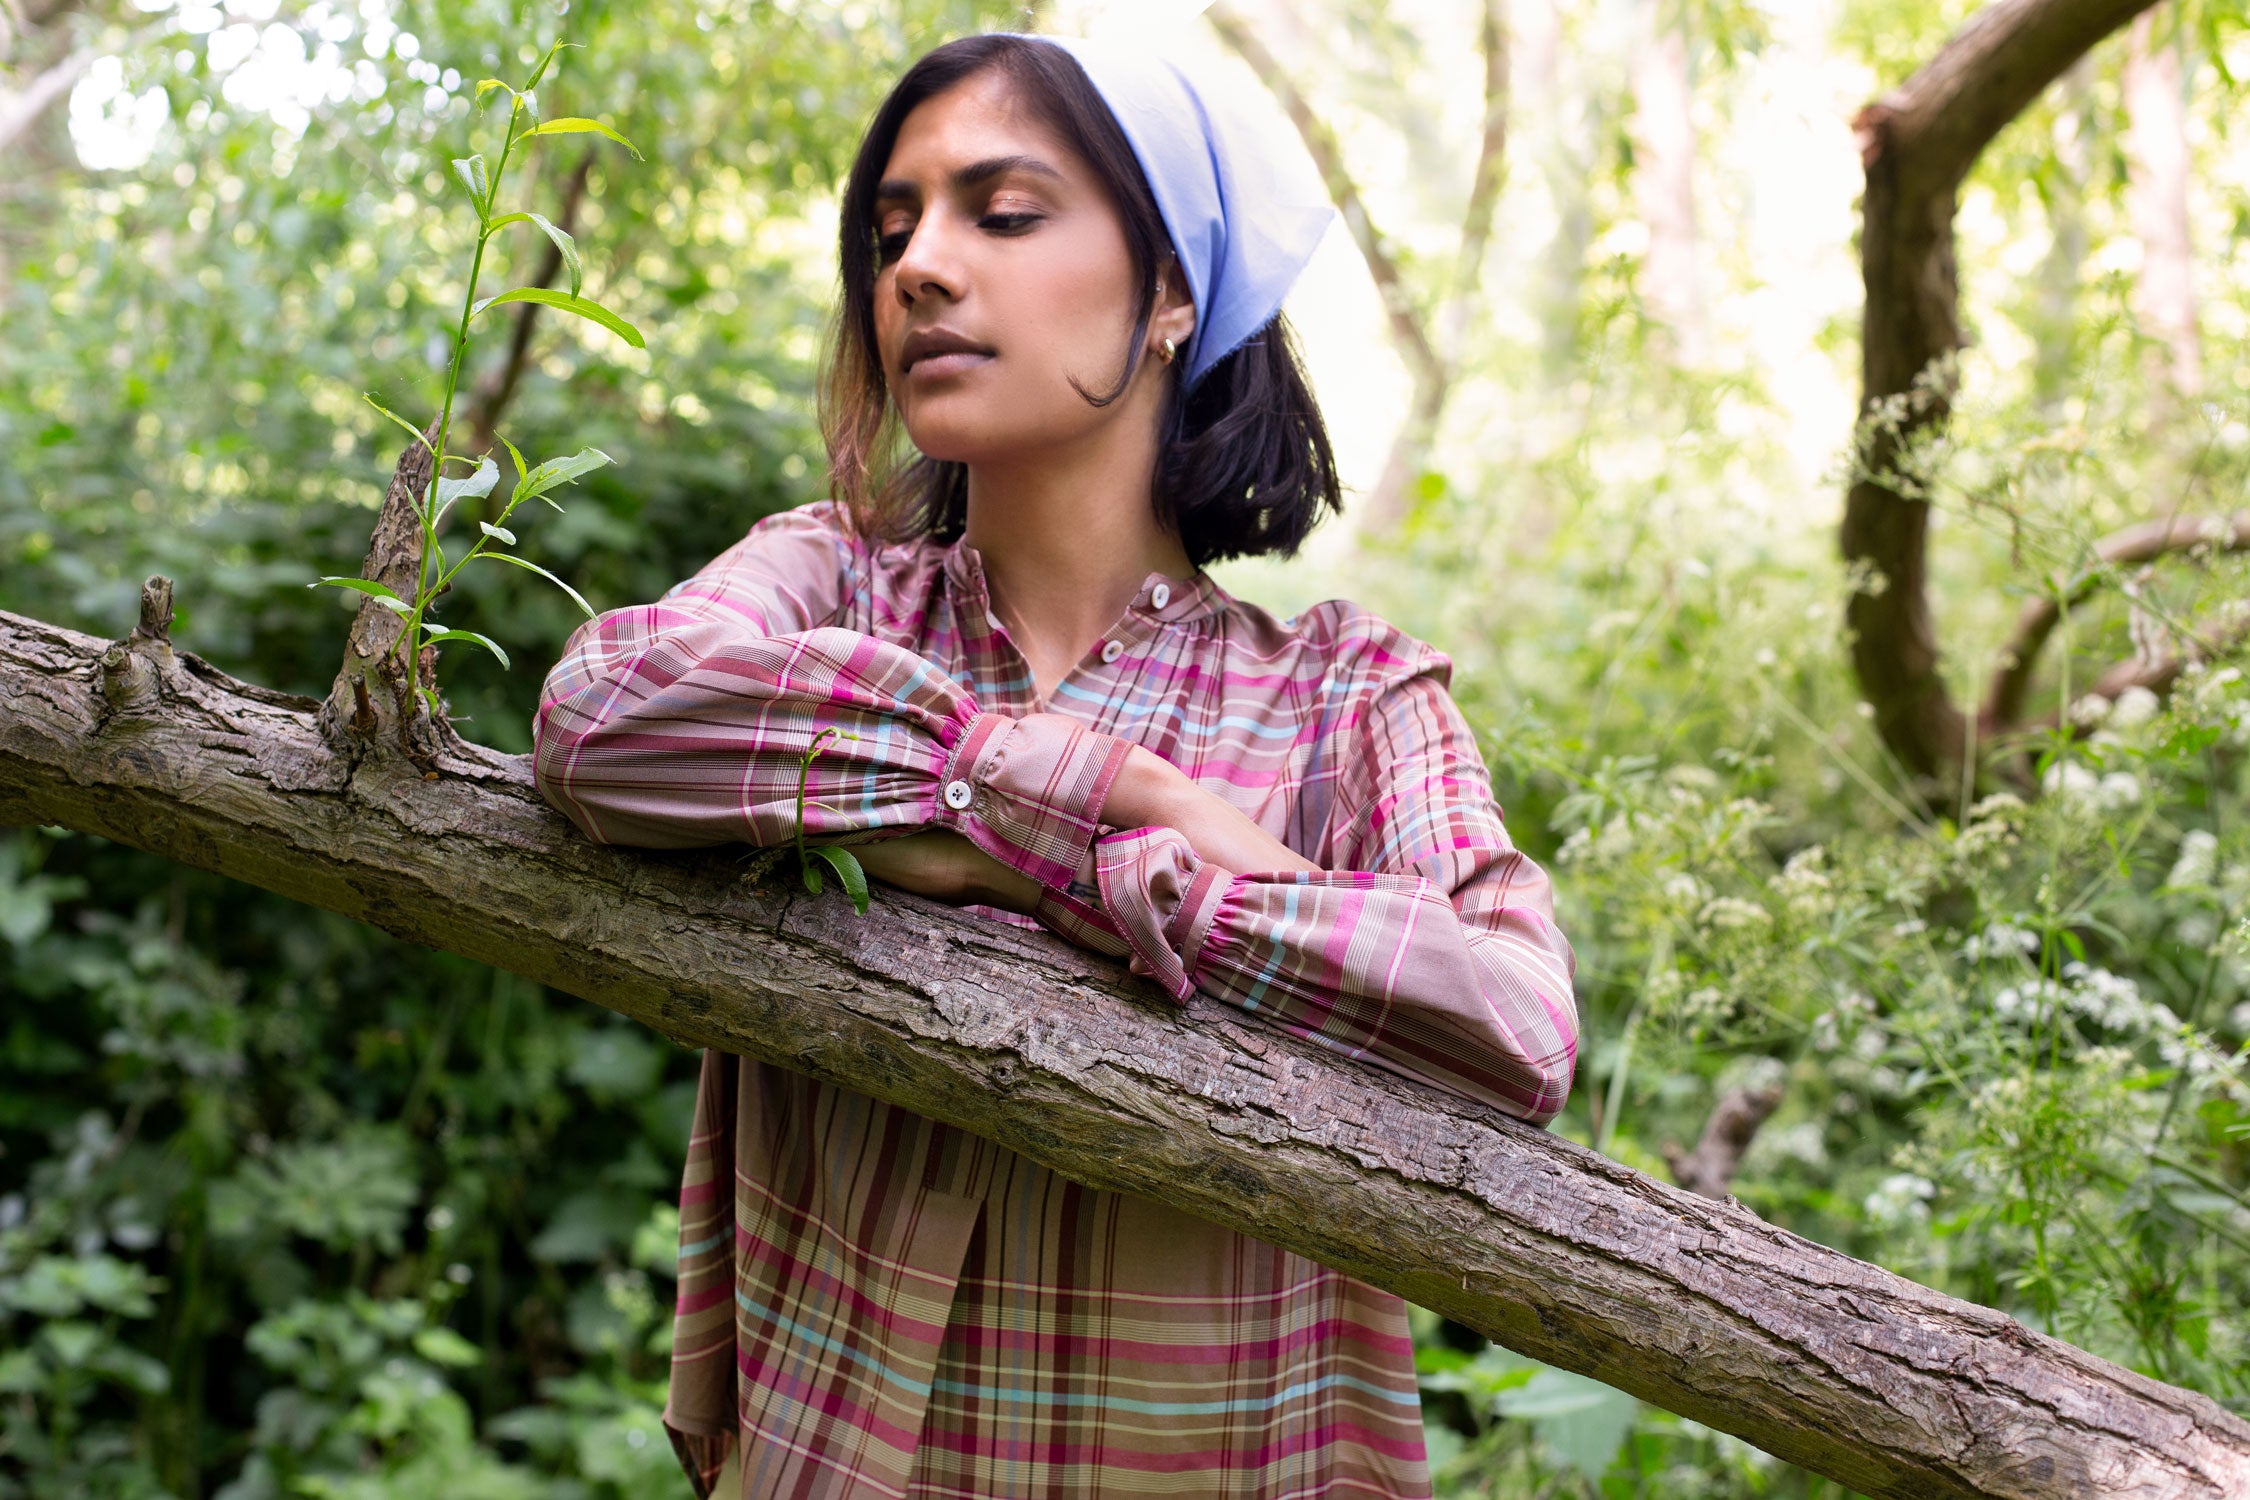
(1002, 276)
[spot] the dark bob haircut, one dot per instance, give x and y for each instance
(1243, 463)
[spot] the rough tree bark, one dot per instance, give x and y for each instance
(1918, 143)
(1701, 1307)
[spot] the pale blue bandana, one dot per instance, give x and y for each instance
(1244, 208)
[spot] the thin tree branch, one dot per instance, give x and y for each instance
(1733, 1123)
(1484, 183)
(2011, 684)
(1408, 330)
(20, 109)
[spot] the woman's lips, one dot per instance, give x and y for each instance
(946, 366)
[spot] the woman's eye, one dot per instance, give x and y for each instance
(1009, 223)
(889, 247)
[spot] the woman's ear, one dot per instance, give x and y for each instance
(1174, 317)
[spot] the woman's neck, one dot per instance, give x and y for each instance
(1067, 540)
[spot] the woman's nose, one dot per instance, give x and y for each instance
(927, 267)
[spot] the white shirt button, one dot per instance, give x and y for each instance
(1111, 650)
(1160, 596)
(958, 794)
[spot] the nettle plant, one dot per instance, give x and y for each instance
(422, 634)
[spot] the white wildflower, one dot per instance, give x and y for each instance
(2110, 1001)
(2198, 858)
(2117, 791)
(1684, 889)
(2026, 1002)
(1901, 1200)
(2000, 940)
(1802, 1142)
(1804, 882)
(1825, 1034)
(2069, 781)
(2133, 708)
(1732, 913)
(1997, 806)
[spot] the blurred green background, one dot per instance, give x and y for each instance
(287, 1208)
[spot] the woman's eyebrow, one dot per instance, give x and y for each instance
(975, 174)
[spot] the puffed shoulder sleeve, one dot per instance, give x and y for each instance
(1429, 947)
(686, 721)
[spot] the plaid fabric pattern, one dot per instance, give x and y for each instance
(875, 1304)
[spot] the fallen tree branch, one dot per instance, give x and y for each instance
(1882, 1385)
(1918, 143)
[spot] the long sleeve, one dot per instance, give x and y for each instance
(684, 722)
(1431, 948)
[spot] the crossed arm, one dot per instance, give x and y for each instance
(1150, 792)
(1428, 945)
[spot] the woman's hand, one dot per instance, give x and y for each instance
(945, 866)
(1152, 792)
(1149, 792)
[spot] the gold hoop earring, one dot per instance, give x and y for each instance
(1167, 351)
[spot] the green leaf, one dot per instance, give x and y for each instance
(475, 485)
(557, 472)
(513, 454)
(567, 246)
(411, 430)
(442, 1346)
(436, 636)
(470, 169)
(541, 71)
(364, 585)
(395, 605)
(509, 557)
(846, 866)
(1585, 1421)
(579, 125)
(592, 312)
(494, 226)
(812, 877)
(487, 85)
(499, 534)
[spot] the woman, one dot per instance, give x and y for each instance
(1061, 277)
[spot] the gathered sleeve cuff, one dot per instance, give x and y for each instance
(1440, 960)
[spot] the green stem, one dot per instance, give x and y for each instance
(425, 591)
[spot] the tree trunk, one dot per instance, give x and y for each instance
(1701, 1307)
(2055, 290)
(1664, 178)
(1918, 143)
(2156, 202)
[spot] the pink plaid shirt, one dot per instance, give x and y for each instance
(883, 1305)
